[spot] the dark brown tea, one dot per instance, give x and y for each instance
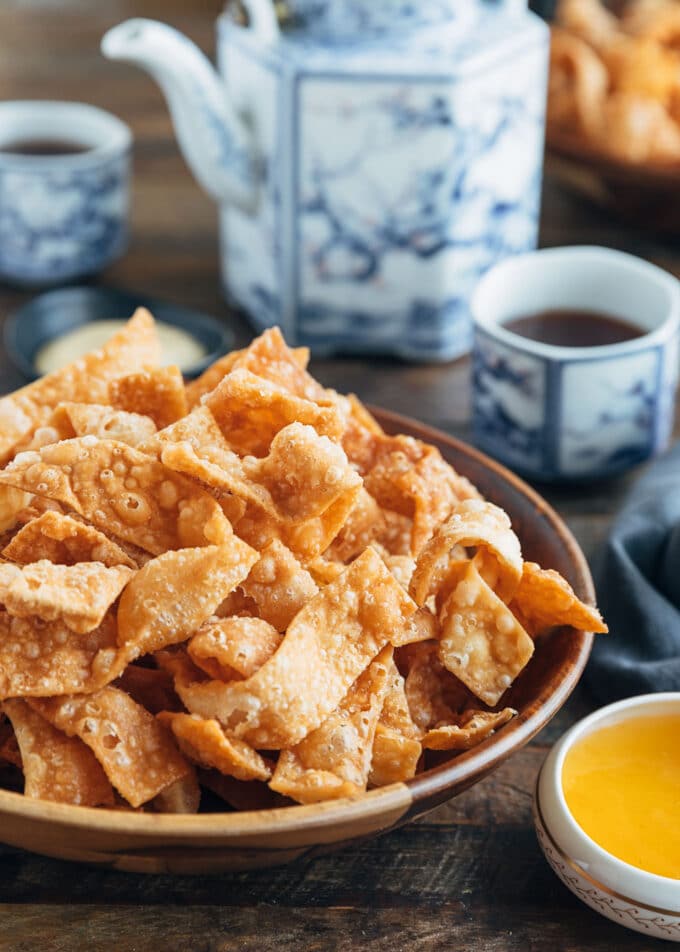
(569, 328)
(44, 147)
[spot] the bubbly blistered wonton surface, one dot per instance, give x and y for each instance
(242, 585)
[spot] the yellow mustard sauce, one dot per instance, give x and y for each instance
(179, 346)
(622, 786)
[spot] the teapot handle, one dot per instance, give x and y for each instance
(263, 21)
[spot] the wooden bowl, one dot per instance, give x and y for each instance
(646, 195)
(213, 842)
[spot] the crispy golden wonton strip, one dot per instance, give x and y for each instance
(233, 648)
(205, 743)
(250, 411)
(278, 585)
(173, 594)
(364, 524)
(334, 760)
(153, 688)
(209, 379)
(56, 767)
(270, 357)
(470, 729)
(12, 503)
(65, 541)
(482, 642)
(86, 380)
(79, 595)
(305, 474)
(411, 478)
(327, 646)
(121, 491)
(157, 393)
(474, 523)
(544, 599)
(137, 753)
(41, 659)
(396, 747)
(300, 493)
(182, 796)
(83, 419)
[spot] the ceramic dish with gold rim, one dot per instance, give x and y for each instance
(626, 894)
(212, 842)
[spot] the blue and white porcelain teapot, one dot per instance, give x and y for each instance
(371, 159)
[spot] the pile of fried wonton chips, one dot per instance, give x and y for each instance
(243, 584)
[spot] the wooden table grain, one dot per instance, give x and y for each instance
(470, 875)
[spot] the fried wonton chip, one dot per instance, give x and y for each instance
(182, 796)
(411, 478)
(56, 767)
(150, 687)
(396, 745)
(233, 648)
(86, 380)
(278, 585)
(12, 502)
(482, 642)
(305, 474)
(64, 541)
(329, 643)
(544, 600)
(364, 524)
(137, 753)
(325, 570)
(474, 523)
(173, 594)
(251, 410)
(42, 659)
(241, 794)
(92, 419)
(433, 694)
(158, 394)
(121, 491)
(196, 389)
(334, 760)
(270, 357)
(470, 729)
(300, 493)
(255, 363)
(362, 436)
(79, 595)
(205, 743)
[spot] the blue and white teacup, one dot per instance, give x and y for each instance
(568, 413)
(63, 215)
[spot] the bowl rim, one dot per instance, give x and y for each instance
(604, 869)
(432, 785)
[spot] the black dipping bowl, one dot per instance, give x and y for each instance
(54, 313)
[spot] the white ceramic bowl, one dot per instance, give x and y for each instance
(623, 893)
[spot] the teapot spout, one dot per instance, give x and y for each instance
(216, 142)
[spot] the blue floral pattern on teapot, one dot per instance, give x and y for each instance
(393, 167)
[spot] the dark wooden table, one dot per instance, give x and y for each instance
(469, 876)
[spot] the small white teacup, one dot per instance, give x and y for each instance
(567, 413)
(64, 190)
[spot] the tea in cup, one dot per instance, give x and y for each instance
(64, 181)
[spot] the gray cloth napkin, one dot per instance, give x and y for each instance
(638, 587)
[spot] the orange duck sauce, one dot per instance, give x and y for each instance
(622, 786)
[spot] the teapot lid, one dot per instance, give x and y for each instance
(356, 21)
(472, 35)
